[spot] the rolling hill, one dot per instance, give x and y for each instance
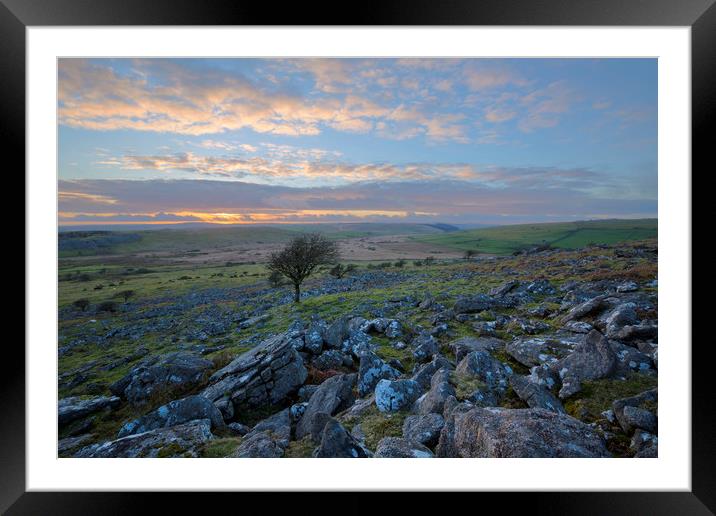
(565, 235)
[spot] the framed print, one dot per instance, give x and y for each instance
(455, 233)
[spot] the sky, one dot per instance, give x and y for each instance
(461, 141)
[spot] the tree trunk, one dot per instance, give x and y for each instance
(297, 297)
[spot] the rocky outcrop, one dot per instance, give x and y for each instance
(499, 432)
(399, 448)
(265, 375)
(547, 349)
(336, 442)
(173, 371)
(633, 412)
(332, 396)
(395, 395)
(535, 395)
(425, 346)
(482, 366)
(175, 413)
(466, 345)
(592, 360)
(372, 369)
(74, 408)
(423, 429)
(183, 440)
(259, 445)
(426, 372)
(433, 401)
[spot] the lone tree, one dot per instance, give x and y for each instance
(300, 258)
(469, 255)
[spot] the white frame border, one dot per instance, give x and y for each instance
(671, 471)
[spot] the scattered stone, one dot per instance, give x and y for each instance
(395, 395)
(629, 286)
(336, 442)
(329, 359)
(175, 413)
(427, 371)
(578, 327)
(535, 395)
(399, 448)
(372, 369)
(259, 445)
(484, 367)
(423, 429)
(440, 391)
(174, 370)
(592, 360)
(74, 408)
(266, 374)
(337, 332)
(534, 432)
(238, 429)
(177, 441)
(465, 345)
(532, 351)
(332, 396)
(424, 347)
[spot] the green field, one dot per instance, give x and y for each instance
(182, 239)
(564, 235)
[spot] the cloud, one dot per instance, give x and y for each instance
(168, 96)
(545, 105)
(501, 195)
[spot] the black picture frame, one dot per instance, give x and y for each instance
(17, 15)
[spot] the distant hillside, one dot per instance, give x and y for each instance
(183, 238)
(566, 235)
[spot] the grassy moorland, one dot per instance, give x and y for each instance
(562, 235)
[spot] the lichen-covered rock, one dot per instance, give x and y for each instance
(592, 360)
(484, 367)
(482, 302)
(535, 395)
(578, 327)
(336, 442)
(394, 330)
(337, 332)
(586, 308)
(637, 418)
(399, 448)
(371, 370)
(547, 349)
(630, 359)
(622, 315)
(278, 425)
(499, 432)
(424, 347)
(313, 337)
(359, 343)
(423, 429)
(642, 331)
(74, 408)
(176, 441)
(395, 395)
(174, 370)
(332, 396)
(440, 391)
(260, 445)
(426, 372)
(465, 345)
(329, 359)
(266, 374)
(175, 413)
